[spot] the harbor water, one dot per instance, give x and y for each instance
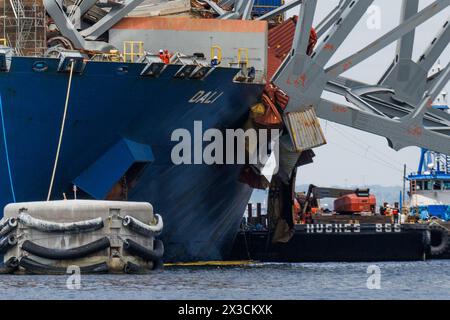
(394, 280)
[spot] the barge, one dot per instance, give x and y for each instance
(337, 242)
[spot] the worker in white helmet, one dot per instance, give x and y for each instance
(161, 55)
(215, 61)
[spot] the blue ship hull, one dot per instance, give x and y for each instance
(202, 205)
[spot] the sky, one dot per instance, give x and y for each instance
(356, 158)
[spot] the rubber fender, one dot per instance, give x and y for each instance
(158, 265)
(132, 268)
(142, 228)
(10, 266)
(9, 226)
(7, 243)
(33, 267)
(426, 241)
(8, 221)
(440, 233)
(66, 254)
(50, 226)
(135, 248)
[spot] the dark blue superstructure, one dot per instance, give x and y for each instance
(120, 123)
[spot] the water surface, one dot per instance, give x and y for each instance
(398, 280)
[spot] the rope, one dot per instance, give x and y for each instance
(61, 132)
(6, 151)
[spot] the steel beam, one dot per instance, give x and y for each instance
(406, 43)
(65, 26)
(85, 5)
(114, 15)
(303, 27)
(437, 46)
(406, 27)
(399, 133)
(352, 13)
(247, 10)
(215, 7)
(331, 18)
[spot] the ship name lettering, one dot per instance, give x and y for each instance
(206, 97)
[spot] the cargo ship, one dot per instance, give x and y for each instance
(121, 114)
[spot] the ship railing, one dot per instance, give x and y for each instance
(245, 59)
(109, 57)
(216, 51)
(133, 50)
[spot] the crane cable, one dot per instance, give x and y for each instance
(8, 164)
(367, 149)
(61, 131)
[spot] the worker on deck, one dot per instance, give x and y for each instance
(388, 212)
(395, 213)
(167, 57)
(161, 55)
(383, 208)
(215, 62)
(297, 209)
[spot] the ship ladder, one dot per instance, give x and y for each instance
(61, 133)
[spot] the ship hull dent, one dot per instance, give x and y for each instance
(202, 205)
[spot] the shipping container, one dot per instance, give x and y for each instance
(262, 7)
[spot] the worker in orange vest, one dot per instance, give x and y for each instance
(395, 213)
(166, 57)
(312, 41)
(296, 211)
(161, 55)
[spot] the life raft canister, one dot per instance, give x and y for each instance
(439, 239)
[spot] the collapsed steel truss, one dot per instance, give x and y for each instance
(398, 107)
(86, 38)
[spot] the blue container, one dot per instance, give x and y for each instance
(262, 7)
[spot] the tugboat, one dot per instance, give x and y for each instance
(429, 194)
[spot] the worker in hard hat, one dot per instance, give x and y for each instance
(215, 61)
(395, 213)
(388, 212)
(161, 55)
(167, 56)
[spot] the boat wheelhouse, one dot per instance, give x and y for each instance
(430, 186)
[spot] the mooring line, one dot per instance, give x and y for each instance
(61, 132)
(5, 141)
